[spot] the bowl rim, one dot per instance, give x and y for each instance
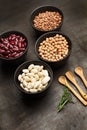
(45, 6)
(14, 32)
(27, 63)
(52, 33)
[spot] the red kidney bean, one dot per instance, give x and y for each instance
(11, 50)
(5, 41)
(12, 37)
(13, 54)
(9, 55)
(20, 39)
(2, 51)
(16, 55)
(6, 48)
(12, 42)
(15, 49)
(1, 39)
(12, 46)
(21, 49)
(16, 41)
(8, 44)
(1, 55)
(23, 44)
(8, 51)
(21, 53)
(1, 45)
(20, 45)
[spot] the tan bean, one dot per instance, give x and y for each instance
(55, 48)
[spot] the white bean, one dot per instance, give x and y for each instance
(45, 72)
(44, 86)
(45, 80)
(24, 83)
(26, 89)
(29, 85)
(37, 84)
(27, 79)
(32, 85)
(33, 90)
(40, 74)
(37, 67)
(34, 71)
(30, 67)
(41, 68)
(34, 79)
(25, 70)
(21, 85)
(20, 77)
(23, 74)
(39, 89)
(30, 75)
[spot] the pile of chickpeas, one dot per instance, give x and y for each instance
(48, 20)
(54, 48)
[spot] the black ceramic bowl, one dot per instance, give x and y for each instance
(12, 59)
(25, 66)
(58, 63)
(44, 9)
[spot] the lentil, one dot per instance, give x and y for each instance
(47, 20)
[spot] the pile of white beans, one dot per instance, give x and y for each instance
(34, 79)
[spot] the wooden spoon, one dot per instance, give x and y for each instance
(71, 77)
(63, 80)
(79, 72)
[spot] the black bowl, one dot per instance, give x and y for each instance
(54, 64)
(43, 9)
(20, 57)
(24, 66)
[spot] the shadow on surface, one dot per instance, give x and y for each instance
(34, 100)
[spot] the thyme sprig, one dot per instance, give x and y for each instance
(66, 97)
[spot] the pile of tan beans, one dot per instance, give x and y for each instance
(47, 20)
(54, 48)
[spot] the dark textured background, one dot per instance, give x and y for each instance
(16, 113)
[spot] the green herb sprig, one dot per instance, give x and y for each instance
(66, 97)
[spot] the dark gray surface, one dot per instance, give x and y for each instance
(16, 113)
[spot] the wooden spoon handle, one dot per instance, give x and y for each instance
(84, 81)
(73, 91)
(70, 76)
(79, 72)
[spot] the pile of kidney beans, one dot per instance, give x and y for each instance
(12, 46)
